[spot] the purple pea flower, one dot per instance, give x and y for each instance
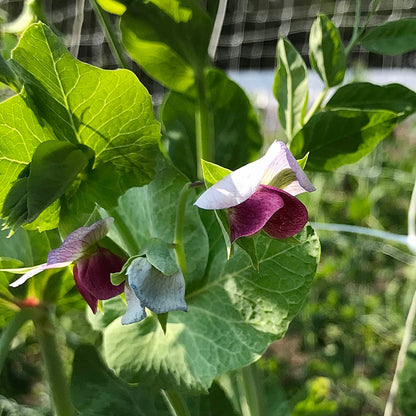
(261, 196)
(93, 264)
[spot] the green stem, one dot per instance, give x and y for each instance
(205, 147)
(125, 233)
(113, 41)
(180, 223)
(356, 31)
(250, 392)
(55, 373)
(316, 105)
(10, 332)
(176, 403)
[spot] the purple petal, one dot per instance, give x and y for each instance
(239, 185)
(78, 243)
(289, 220)
(92, 276)
(251, 216)
(296, 182)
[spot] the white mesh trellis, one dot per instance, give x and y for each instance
(250, 31)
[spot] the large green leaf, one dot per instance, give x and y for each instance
(169, 39)
(67, 100)
(391, 38)
(290, 87)
(236, 128)
(327, 52)
(96, 391)
(341, 136)
(367, 96)
(230, 320)
(150, 213)
(109, 111)
(407, 380)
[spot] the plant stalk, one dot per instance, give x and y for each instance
(180, 223)
(176, 403)
(112, 39)
(55, 373)
(250, 392)
(316, 105)
(124, 232)
(205, 147)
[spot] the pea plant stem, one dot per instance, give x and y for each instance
(250, 393)
(112, 38)
(55, 373)
(179, 226)
(203, 126)
(176, 403)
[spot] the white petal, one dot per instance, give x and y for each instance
(285, 160)
(34, 271)
(239, 185)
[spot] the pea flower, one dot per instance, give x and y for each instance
(93, 264)
(148, 287)
(261, 196)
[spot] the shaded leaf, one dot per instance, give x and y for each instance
(237, 132)
(391, 38)
(327, 52)
(290, 87)
(169, 39)
(341, 136)
(95, 390)
(367, 96)
(54, 166)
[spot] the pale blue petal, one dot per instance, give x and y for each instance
(156, 291)
(135, 311)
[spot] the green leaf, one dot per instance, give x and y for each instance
(407, 380)
(238, 136)
(290, 87)
(213, 172)
(341, 136)
(108, 111)
(110, 310)
(67, 100)
(21, 133)
(230, 320)
(112, 6)
(95, 390)
(367, 96)
(150, 213)
(169, 39)
(391, 38)
(54, 166)
(326, 51)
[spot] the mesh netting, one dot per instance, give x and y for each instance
(250, 31)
